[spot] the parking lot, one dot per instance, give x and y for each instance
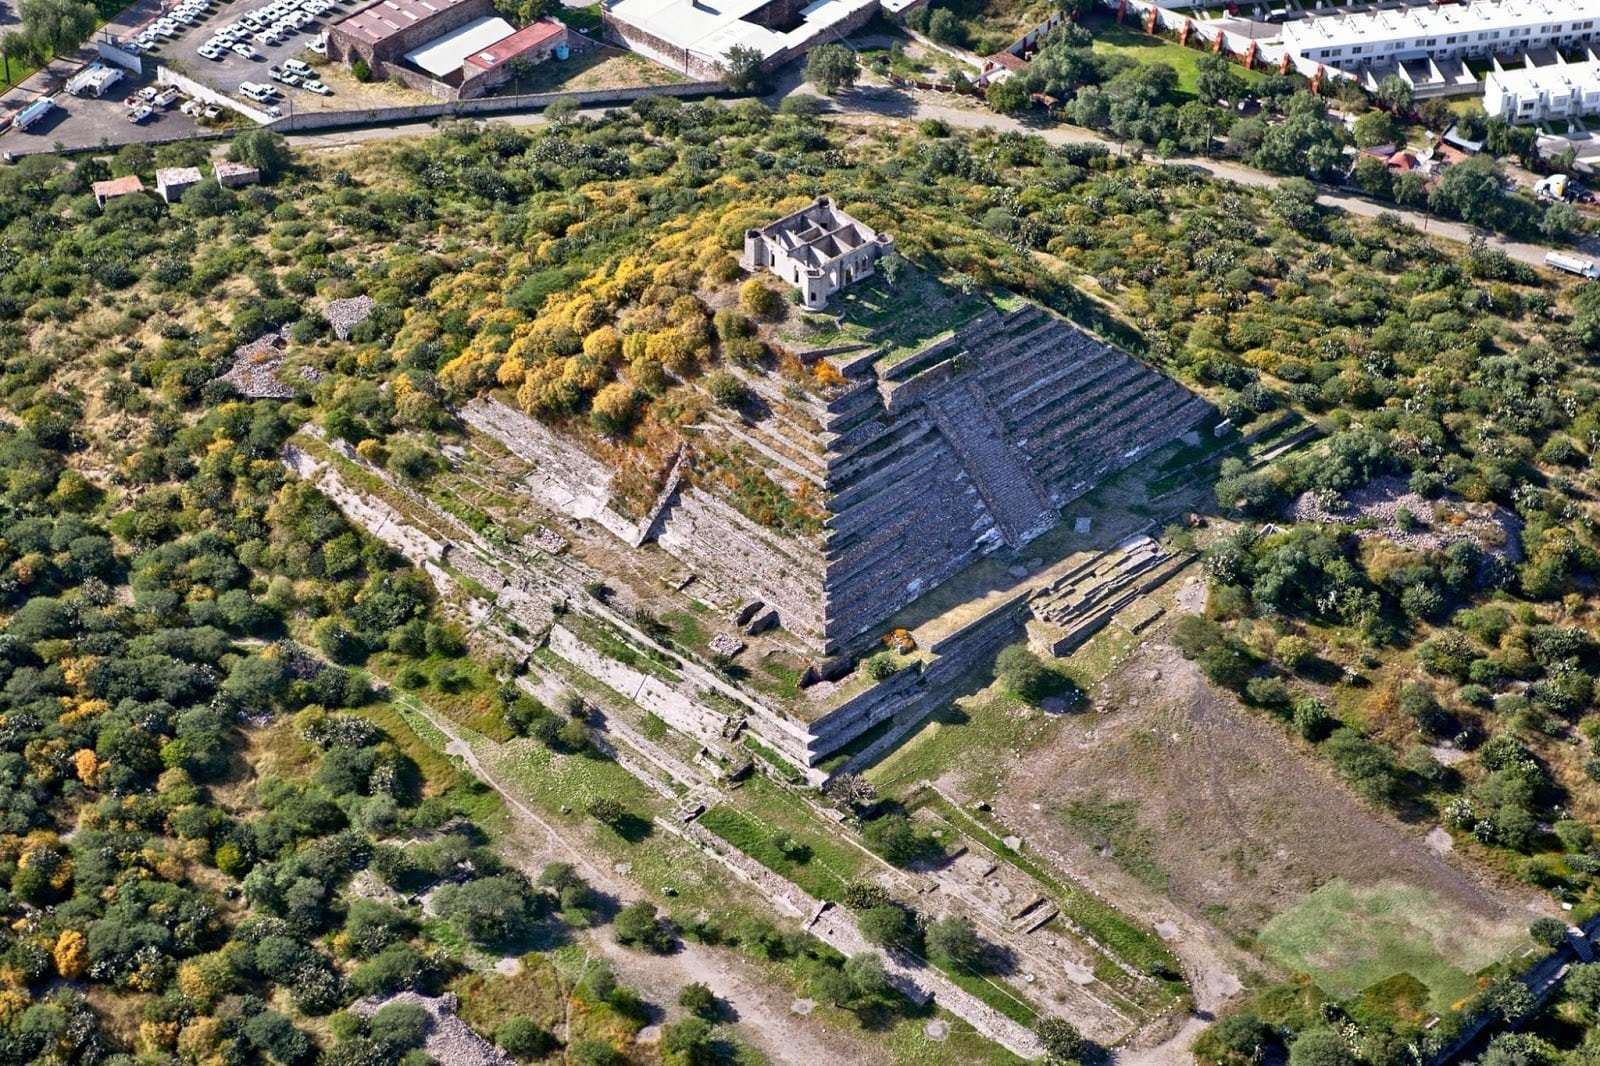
(84, 122)
(227, 73)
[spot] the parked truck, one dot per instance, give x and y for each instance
(1572, 264)
(93, 80)
(35, 111)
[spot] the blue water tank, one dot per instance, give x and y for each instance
(562, 51)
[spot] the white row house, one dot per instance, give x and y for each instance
(1534, 94)
(1443, 31)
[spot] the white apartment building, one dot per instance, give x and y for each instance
(1444, 31)
(1534, 94)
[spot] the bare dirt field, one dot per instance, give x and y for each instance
(1245, 853)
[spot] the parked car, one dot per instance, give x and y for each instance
(211, 113)
(166, 98)
(245, 51)
(295, 66)
(140, 113)
(319, 46)
(316, 85)
(261, 94)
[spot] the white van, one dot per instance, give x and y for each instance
(294, 66)
(261, 94)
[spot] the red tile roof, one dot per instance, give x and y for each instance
(1008, 60)
(118, 187)
(529, 37)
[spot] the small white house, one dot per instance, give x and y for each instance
(173, 182)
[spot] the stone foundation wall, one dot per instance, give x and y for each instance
(734, 553)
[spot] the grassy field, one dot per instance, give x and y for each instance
(1349, 939)
(760, 812)
(601, 67)
(1111, 39)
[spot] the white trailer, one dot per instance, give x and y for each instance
(1572, 264)
(93, 80)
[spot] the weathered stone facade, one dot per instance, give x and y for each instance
(381, 33)
(818, 249)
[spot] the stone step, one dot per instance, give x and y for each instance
(1100, 413)
(1165, 416)
(1017, 405)
(900, 438)
(1020, 508)
(1047, 348)
(798, 464)
(902, 464)
(1038, 424)
(947, 530)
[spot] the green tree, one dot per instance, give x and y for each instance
(638, 925)
(57, 27)
(1473, 191)
(1374, 128)
(523, 1039)
(697, 999)
(1320, 1047)
(1219, 79)
(741, 69)
(1008, 96)
(889, 925)
(1551, 932)
(15, 45)
(399, 1026)
(1395, 93)
(1372, 177)
(832, 67)
(688, 1043)
(1559, 222)
(263, 149)
(955, 939)
(1061, 1039)
(1022, 674)
(1582, 985)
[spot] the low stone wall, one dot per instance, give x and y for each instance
(201, 91)
(654, 695)
(489, 105)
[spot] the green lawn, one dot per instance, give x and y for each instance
(1349, 939)
(760, 811)
(1111, 39)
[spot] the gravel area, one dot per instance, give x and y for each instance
(450, 1040)
(1436, 524)
(345, 315)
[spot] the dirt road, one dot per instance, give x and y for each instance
(763, 1015)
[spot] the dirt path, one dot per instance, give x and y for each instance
(763, 1015)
